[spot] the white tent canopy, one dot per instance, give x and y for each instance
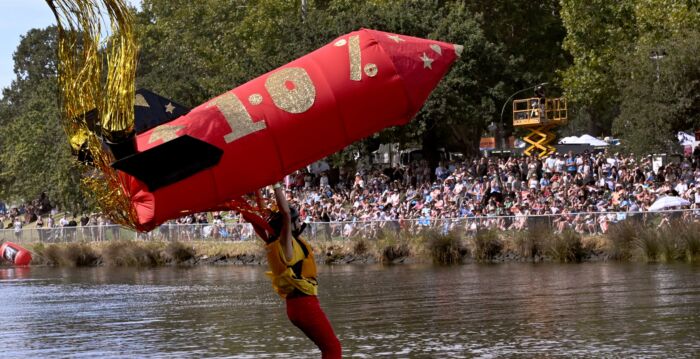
(571, 140)
(686, 139)
(583, 140)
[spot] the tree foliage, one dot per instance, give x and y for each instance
(661, 97)
(610, 81)
(34, 154)
(192, 51)
(261, 35)
(597, 31)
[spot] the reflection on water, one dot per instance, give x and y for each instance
(594, 309)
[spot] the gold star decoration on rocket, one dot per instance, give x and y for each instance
(141, 101)
(165, 133)
(169, 108)
(427, 62)
(396, 38)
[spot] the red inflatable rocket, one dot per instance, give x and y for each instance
(255, 134)
(15, 254)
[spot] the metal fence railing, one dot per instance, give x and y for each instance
(585, 223)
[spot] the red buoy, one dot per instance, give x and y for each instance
(15, 254)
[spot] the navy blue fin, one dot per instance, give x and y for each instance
(170, 162)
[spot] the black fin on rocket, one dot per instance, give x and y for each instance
(170, 162)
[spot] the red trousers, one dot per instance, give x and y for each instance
(306, 314)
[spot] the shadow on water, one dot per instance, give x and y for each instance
(592, 309)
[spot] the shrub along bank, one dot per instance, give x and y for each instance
(626, 241)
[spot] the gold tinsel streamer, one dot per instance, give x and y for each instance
(96, 73)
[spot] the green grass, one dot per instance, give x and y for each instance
(529, 244)
(360, 246)
(648, 242)
(486, 245)
(626, 241)
(685, 241)
(621, 238)
(446, 248)
(565, 247)
(178, 252)
(66, 255)
(392, 247)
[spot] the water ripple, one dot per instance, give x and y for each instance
(482, 311)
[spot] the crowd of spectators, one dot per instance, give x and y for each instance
(585, 192)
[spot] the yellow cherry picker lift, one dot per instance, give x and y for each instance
(540, 116)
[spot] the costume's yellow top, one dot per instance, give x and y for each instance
(298, 273)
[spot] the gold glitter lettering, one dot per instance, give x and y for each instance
(371, 70)
(237, 117)
(396, 38)
(355, 58)
(255, 99)
(291, 89)
(165, 133)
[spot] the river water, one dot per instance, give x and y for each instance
(403, 311)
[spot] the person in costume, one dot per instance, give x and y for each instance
(293, 274)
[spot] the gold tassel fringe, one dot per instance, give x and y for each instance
(97, 73)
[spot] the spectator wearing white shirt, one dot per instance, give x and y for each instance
(323, 181)
(681, 187)
(559, 164)
(550, 163)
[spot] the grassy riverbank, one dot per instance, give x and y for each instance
(627, 241)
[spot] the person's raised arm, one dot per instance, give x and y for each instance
(285, 235)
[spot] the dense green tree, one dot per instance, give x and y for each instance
(188, 49)
(597, 31)
(462, 105)
(195, 43)
(519, 45)
(659, 98)
(194, 50)
(531, 35)
(601, 33)
(35, 156)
